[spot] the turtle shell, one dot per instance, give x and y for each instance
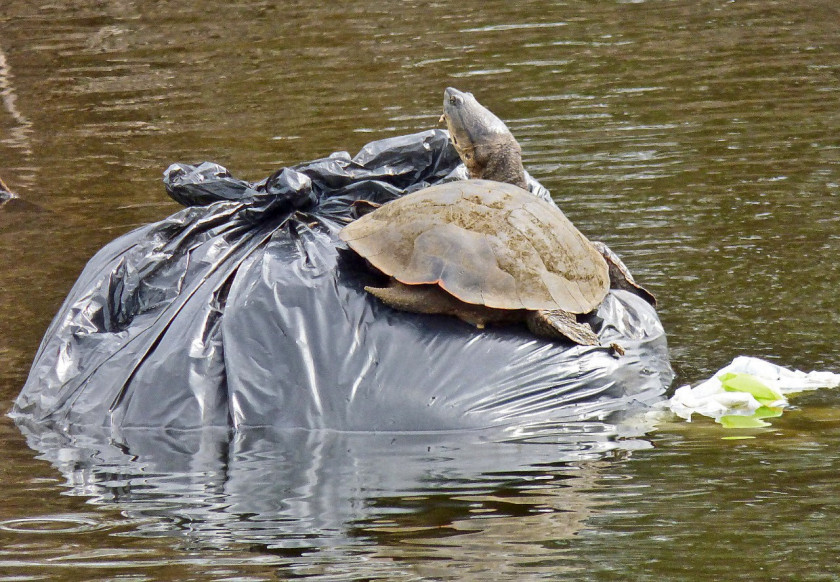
(486, 243)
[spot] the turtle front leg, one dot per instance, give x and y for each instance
(555, 323)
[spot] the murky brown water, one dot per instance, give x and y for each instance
(699, 139)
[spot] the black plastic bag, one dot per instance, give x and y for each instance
(245, 310)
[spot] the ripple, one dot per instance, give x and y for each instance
(51, 524)
(518, 26)
(481, 72)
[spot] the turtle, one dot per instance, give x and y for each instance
(486, 249)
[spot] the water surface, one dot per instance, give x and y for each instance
(698, 139)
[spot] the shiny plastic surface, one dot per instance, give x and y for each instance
(245, 310)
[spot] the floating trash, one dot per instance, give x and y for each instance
(747, 391)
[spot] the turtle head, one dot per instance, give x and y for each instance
(482, 140)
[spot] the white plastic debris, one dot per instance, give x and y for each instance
(745, 386)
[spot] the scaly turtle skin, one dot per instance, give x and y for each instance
(485, 250)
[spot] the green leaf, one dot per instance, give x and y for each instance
(768, 412)
(736, 382)
(739, 421)
(753, 421)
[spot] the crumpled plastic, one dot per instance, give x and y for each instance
(245, 310)
(715, 399)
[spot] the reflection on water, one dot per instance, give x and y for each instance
(18, 136)
(698, 139)
(389, 497)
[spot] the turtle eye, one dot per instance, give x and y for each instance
(455, 100)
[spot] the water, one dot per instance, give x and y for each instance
(698, 139)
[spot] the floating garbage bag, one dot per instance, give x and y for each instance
(245, 310)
